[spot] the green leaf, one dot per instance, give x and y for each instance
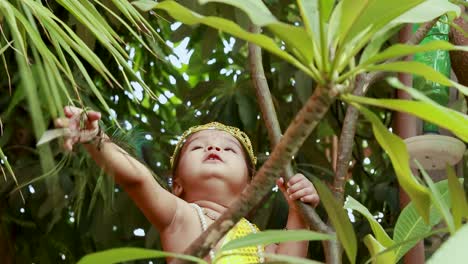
(127, 254)
(399, 50)
(375, 247)
(188, 17)
(256, 10)
(145, 5)
(357, 21)
(387, 10)
(411, 225)
(453, 250)
(340, 220)
(441, 116)
(275, 236)
(437, 199)
(274, 258)
(426, 11)
(396, 150)
(376, 43)
(457, 198)
(421, 69)
(296, 38)
(382, 236)
(5, 47)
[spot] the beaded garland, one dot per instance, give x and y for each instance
(233, 131)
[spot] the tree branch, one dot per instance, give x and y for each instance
(274, 131)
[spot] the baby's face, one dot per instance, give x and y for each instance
(213, 153)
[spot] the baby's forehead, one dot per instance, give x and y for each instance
(212, 134)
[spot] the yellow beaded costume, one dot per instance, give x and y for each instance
(245, 255)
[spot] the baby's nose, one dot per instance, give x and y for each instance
(213, 148)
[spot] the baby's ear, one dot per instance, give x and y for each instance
(177, 188)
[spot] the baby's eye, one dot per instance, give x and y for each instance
(196, 147)
(229, 149)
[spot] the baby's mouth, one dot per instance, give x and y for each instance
(213, 156)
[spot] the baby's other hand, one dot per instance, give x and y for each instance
(299, 188)
(82, 127)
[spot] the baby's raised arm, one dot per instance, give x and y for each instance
(158, 205)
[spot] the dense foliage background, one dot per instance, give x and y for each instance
(171, 77)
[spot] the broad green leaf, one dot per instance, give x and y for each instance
(457, 198)
(188, 17)
(375, 247)
(118, 255)
(411, 225)
(376, 43)
(382, 236)
(418, 68)
(437, 199)
(343, 16)
(279, 258)
(453, 250)
(256, 10)
(145, 5)
(399, 50)
(441, 116)
(275, 236)
(340, 220)
(426, 11)
(396, 150)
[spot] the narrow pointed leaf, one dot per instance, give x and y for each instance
(340, 220)
(5, 47)
(51, 135)
(379, 232)
(396, 150)
(118, 255)
(275, 236)
(441, 116)
(421, 69)
(399, 50)
(437, 199)
(457, 198)
(375, 247)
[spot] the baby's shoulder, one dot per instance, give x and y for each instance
(185, 217)
(184, 228)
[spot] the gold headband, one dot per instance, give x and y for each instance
(233, 131)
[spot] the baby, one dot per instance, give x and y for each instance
(212, 164)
